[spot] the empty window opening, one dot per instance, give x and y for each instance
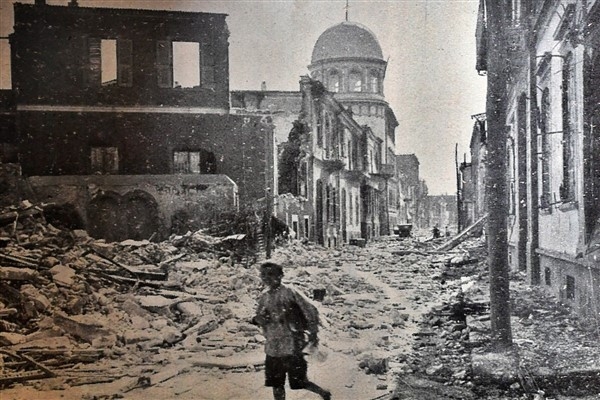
(355, 82)
(570, 287)
(306, 226)
(108, 57)
(186, 64)
(334, 82)
(104, 160)
(548, 276)
(374, 80)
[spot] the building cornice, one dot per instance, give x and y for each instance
(120, 109)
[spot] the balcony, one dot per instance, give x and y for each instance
(333, 164)
(356, 175)
(386, 171)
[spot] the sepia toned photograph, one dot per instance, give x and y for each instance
(299, 199)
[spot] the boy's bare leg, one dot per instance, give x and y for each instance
(313, 387)
(279, 393)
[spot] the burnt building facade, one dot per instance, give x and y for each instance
(131, 92)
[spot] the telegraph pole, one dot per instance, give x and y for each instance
(269, 188)
(496, 192)
(458, 190)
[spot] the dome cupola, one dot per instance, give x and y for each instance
(346, 40)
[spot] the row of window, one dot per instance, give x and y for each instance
(331, 136)
(353, 81)
(563, 190)
(368, 111)
(105, 160)
(566, 190)
(178, 64)
(332, 206)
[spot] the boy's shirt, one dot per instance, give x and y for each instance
(284, 315)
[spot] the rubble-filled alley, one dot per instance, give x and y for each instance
(85, 319)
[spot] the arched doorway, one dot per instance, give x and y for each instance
(103, 217)
(319, 214)
(114, 217)
(141, 215)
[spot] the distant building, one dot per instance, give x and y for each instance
(442, 211)
(339, 169)
(335, 140)
(409, 199)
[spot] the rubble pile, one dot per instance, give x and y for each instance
(67, 299)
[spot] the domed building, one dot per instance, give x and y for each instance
(347, 58)
(336, 167)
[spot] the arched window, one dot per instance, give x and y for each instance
(374, 81)
(333, 83)
(317, 76)
(355, 82)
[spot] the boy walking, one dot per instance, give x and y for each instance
(284, 316)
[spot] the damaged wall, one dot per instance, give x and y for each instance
(145, 144)
(135, 206)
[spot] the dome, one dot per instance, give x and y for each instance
(347, 39)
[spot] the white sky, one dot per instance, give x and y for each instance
(430, 83)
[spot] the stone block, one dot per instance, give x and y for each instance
(495, 368)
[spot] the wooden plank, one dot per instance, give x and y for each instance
(455, 241)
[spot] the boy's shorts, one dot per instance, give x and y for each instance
(276, 368)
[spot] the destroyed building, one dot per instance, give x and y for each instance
(473, 176)
(109, 122)
(411, 196)
(551, 144)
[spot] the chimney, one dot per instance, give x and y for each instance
(263, 86)
(40, 2)
(73, 3)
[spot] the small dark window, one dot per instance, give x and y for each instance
(104, 160)
(306, 226)
(548, 276)
(194, 162)
(570, 287)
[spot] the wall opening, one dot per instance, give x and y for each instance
(186, 64)
(570, 287)
(108, 57)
